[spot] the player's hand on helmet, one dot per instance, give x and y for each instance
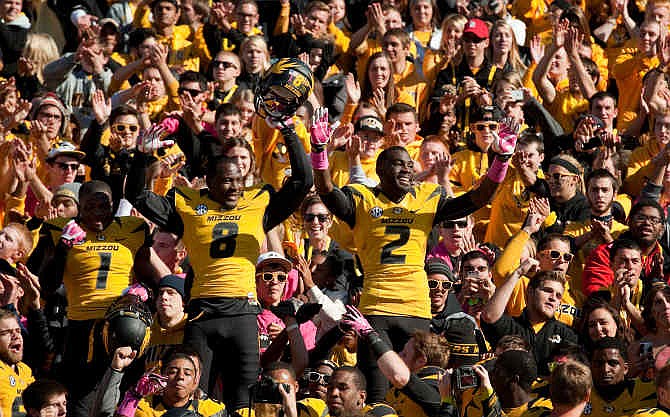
(152, 140)
(149, 384)
(72, 234)
(505, 139)
(123, 357)
(321, 131)
(356, 321)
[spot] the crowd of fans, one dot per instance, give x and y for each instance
(334, 208)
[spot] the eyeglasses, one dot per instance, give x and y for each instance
(270, 276)
(434, 283)
(641, 218)
(64, 166)
(491, 125)
(191, 91)
(480, 268)
(451, 224)
(121, 128)
(559, 177)
(555, 255)
(309, 217)
(223, 64)
(317, 377)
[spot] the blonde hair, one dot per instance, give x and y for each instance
(41, 49)
(242, 95)
(513, 57)
(259, 43)
(25, 243)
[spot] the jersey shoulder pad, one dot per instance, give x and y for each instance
(189, 194)
(257, 191)
(537, 412)
(56, 224)
(312, 407)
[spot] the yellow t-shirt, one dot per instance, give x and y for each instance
(12, 383)
(98, 270)
(223, 268)
(391, 242)
(639, 395)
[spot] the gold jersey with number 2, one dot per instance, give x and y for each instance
(223, 245)
(391, 239)
(99, 269)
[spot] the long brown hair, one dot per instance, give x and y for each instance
(389, 91)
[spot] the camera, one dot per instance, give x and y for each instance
(517, 95)
(465, 378)
(266, 390)
(646, 348)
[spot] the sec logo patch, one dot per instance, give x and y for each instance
(201, 209)
(376, 212)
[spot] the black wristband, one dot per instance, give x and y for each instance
(377, 344)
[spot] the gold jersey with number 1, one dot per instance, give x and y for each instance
(99, 269)
(391, 239)
(223, 245)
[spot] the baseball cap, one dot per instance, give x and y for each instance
(175, 282)
(371, 123)
(66, 149)
(478, 28)
(273, 257)
(69, 190)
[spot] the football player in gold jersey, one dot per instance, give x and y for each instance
(93, 258)
(662, 409)
(390, 224)
(223, 228)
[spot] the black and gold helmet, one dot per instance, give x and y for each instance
(127, 323)
(284, 87)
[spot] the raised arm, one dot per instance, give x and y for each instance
(289, 197)
(339, 203)
(494, 309)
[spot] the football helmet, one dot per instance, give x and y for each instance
(284, 87)
(127, 323)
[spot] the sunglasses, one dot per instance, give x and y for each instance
(223, 64)
(555, 255)
(451, 224)
(121, 128)
(191, 91)
(434, 283)
(491, 125)
(473, 40)
(67, 167)
(309, 217)
(270, 276)
(317, 377)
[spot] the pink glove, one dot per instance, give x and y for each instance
(137, 290)
(320, 131)
(505, 140)
(72, 234)
(149, 384)
(355, 319)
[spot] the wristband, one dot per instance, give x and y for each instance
(319, 160)
(497, 171)
(377, 344)
(129, 404)
(292, 327)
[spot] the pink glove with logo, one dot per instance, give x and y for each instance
(149, 384)
(72, 234)
(138, 290)
(356, 321)
(320, 133)
(505, 139)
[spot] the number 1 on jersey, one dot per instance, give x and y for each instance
(103, 271)
(387, 250)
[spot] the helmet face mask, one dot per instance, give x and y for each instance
(284, 88)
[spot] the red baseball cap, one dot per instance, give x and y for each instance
(478, 28)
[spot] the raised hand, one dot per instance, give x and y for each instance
(102, 107)
(152, 140)
(123, 357)
(321, 131)
(352, 88)
(505, 139)
(356, 321)
(560, 32)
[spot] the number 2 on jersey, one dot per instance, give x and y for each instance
(387, 250)
(223, 243)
